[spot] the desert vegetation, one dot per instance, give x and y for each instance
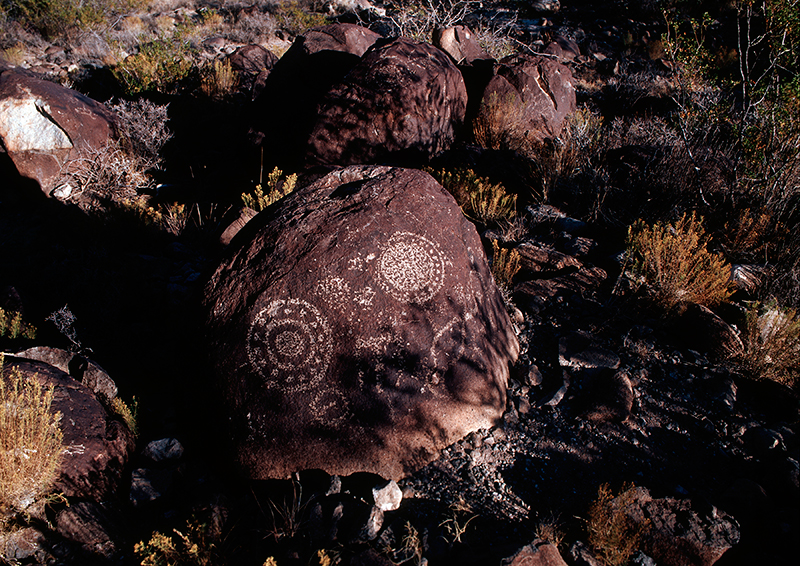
(679, 169)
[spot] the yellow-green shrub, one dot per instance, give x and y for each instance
(159, 65)
(30, 442)
(12, 326)
(276, 190)
(479, 199)
(674, 262)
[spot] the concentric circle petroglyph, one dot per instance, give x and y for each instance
(292, 339)
(411, 267)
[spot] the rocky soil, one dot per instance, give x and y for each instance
(606, 389)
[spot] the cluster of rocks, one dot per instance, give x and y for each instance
(355, 328)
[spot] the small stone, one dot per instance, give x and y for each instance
(388, 496)
(164, 450)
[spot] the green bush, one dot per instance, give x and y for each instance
(293, 18)
(159, 65)
(676, 265)
(12, 326)
(55, 17)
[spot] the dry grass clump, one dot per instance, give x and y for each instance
(674, 262)
(505, 265)
(479, 199)
(418, 20)
(550, 530)
(12, 326)
(196, 545)
(277, 188)
(218, 79)
(295, 19)
(772, 343)
(30, 442)
(612, 534)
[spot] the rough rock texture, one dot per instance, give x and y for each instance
(538, 553)
(704, 330)
(82, 369)
(682, 533)
(44, 125)
(460, 43)
(404, 101)
(285, 110)
(535, 93)
(97, 447)
(356, 327)
(253, 64)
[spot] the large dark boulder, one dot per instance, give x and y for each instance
(97, 447)
(404, 102)
(355, 326)
(528, 98)
(45, 128)
(285, 110)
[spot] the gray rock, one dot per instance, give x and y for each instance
(578, 350)
(387, 497)
(164, 450)
(149, 486)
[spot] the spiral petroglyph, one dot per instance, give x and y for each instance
(411, 268)
(292, 339)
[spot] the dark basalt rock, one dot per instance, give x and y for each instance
(404, 102)
(355, 327)
(97, 447)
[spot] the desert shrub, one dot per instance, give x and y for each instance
(499, 124)
(30, 442)
(480, 199)
(196, 545)
(612, 534)
(55, 17)
(277, 188)
(772, 343)
(550, 529)
(143, 130)
(129, 413)
(12, 326)
(675, 263)
(218, 79)
(292, 17)
(505, 265)
(418, 20)
(167, 217)
(159, 65)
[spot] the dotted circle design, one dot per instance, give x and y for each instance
(292, 339)
(411, 268)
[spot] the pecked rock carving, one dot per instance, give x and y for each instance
(356, 327)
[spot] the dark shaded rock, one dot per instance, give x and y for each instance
(610, 396)
(252, 64)
(98, 528)
(286, 109)
(529, 94)
(355, 326)
(403, 102)
(535, 294)
(460, 43)
(80, 368)
(703, 330)
(537, 258)
(22, 545)
(163, 450)
(679, 534)
(370, 557)
(149, 486)
(563, 49)
(245, 215)
(45, 127)
(538, 553)
(97, 447)
(345, 519)
(582, 555)
(579, 350)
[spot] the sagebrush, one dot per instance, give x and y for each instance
(611, 533)
(480, 199)
(772, 343)
(277, 188)
(673, 260)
